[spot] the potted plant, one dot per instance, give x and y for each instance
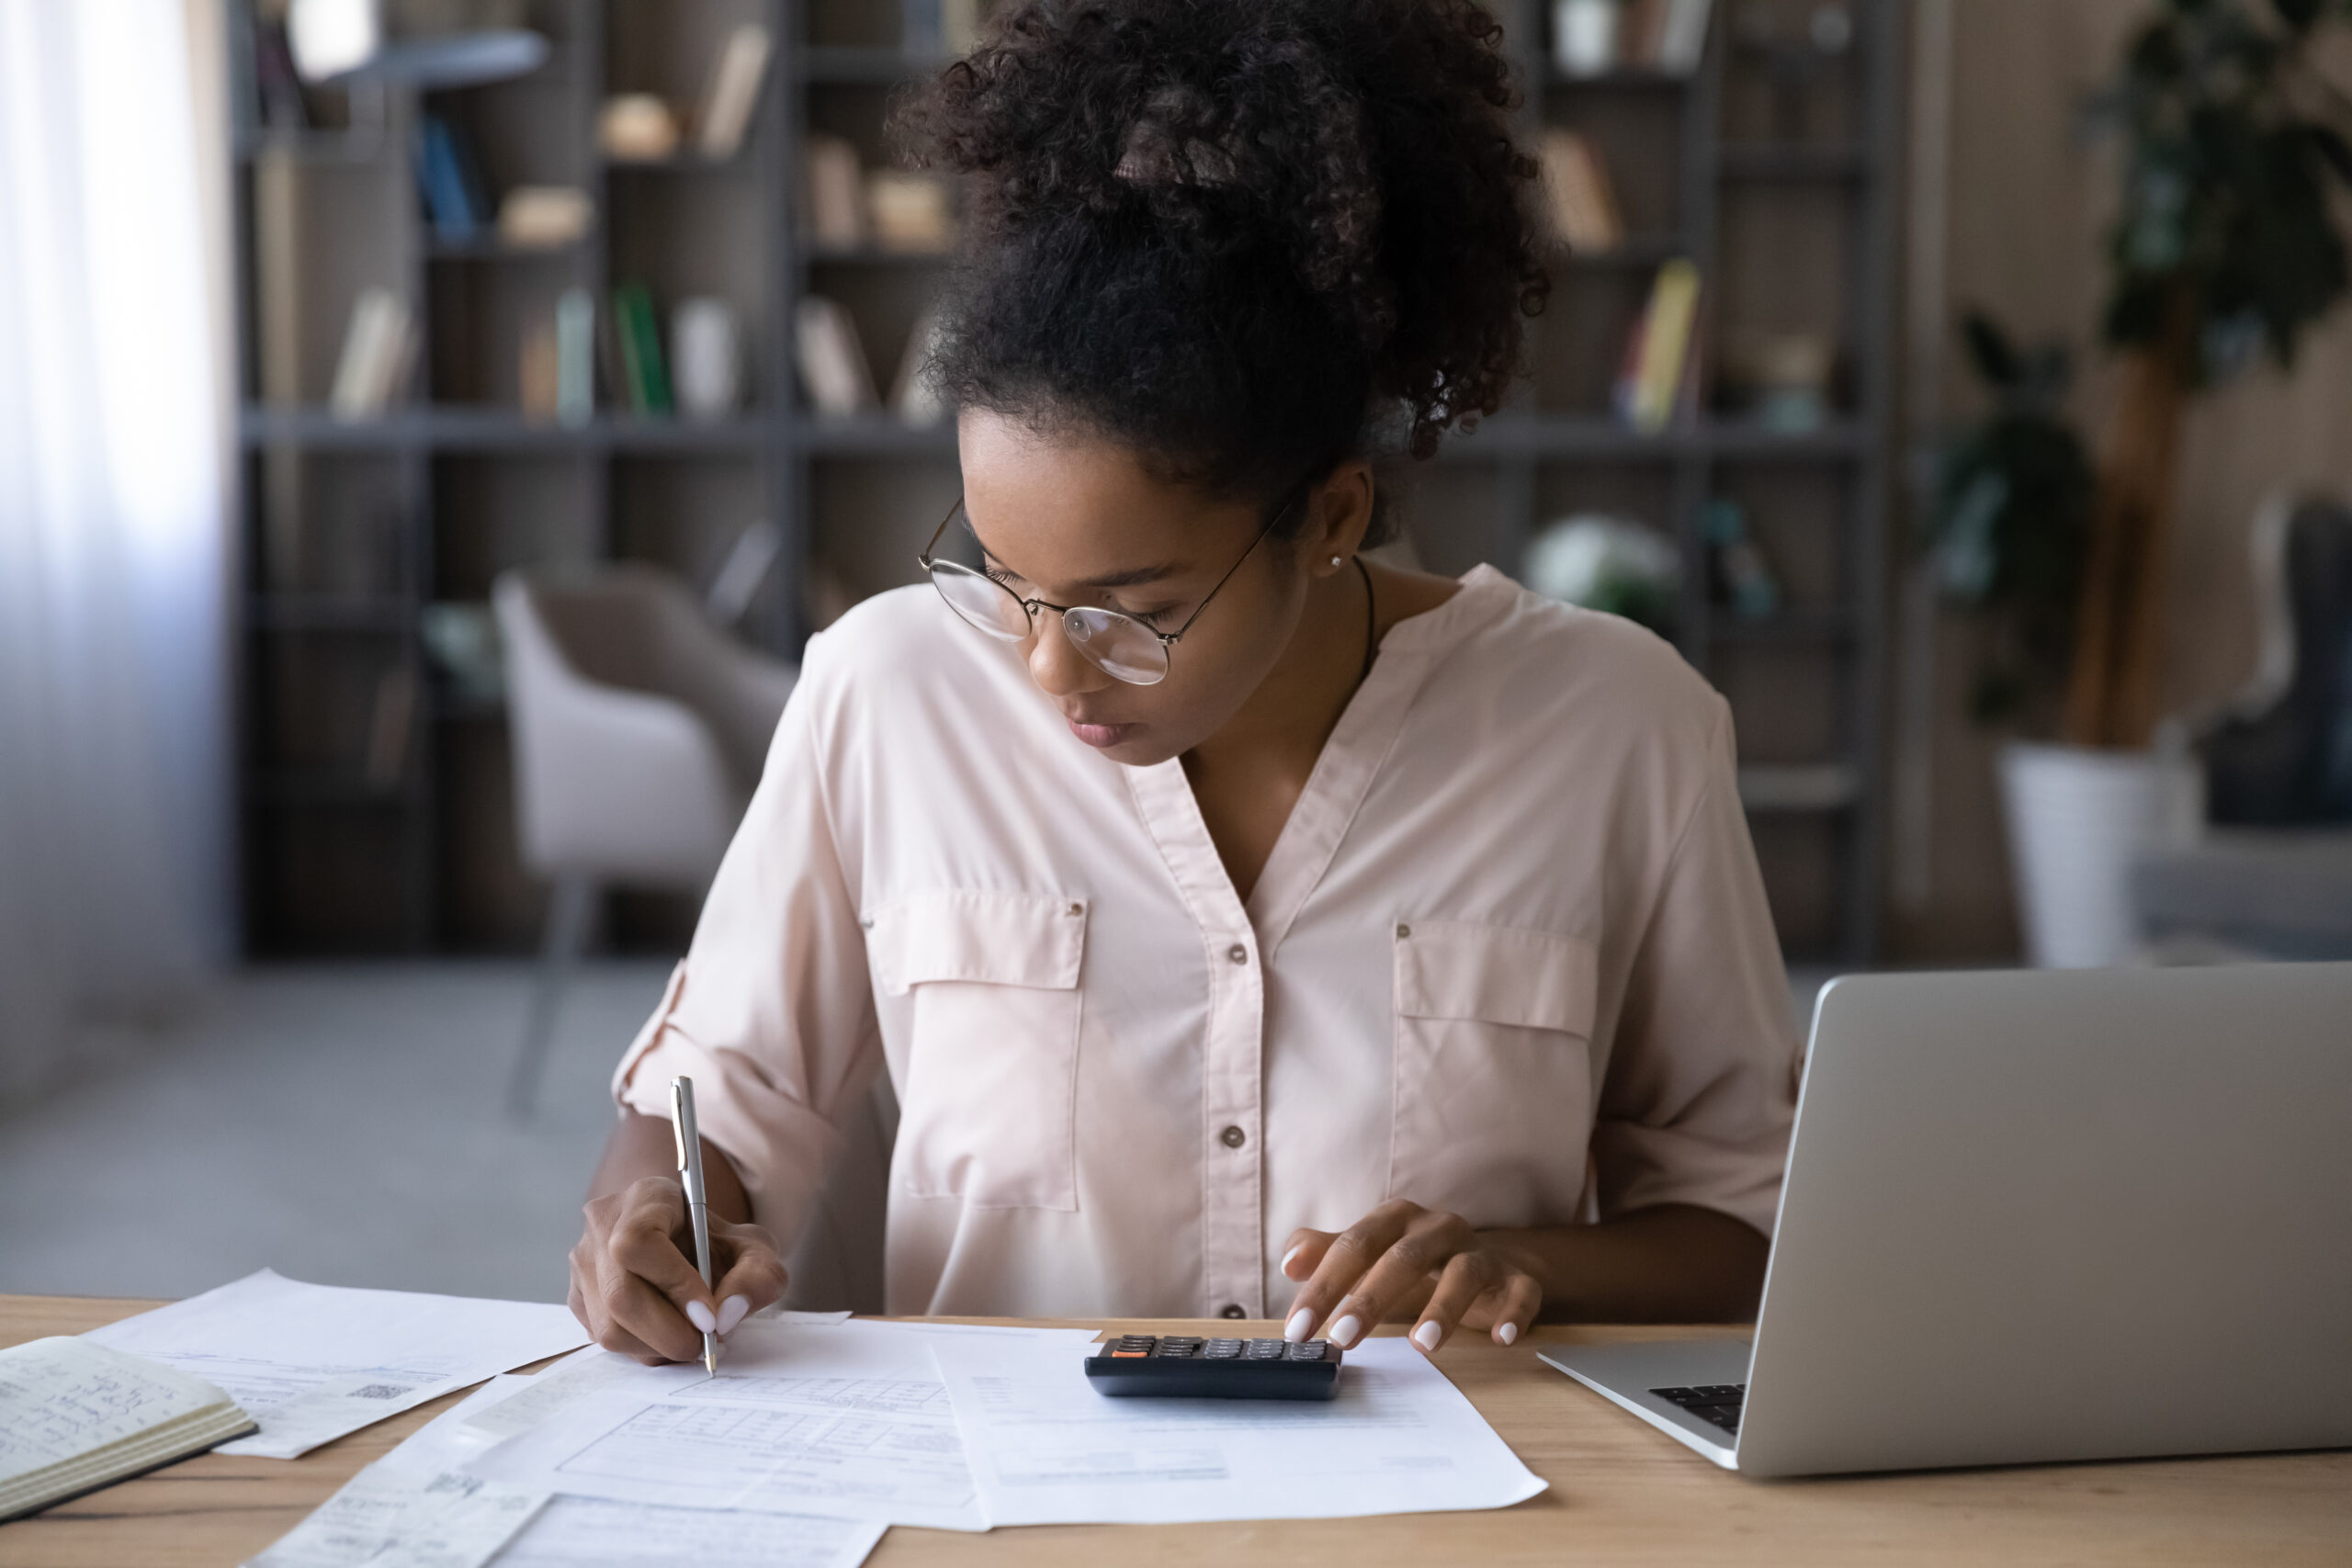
(2013, 515)
(2224, 245)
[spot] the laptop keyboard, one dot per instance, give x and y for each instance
(1717, 1403)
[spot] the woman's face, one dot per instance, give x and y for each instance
(1079, 522)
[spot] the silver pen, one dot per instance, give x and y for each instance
(681, 1123)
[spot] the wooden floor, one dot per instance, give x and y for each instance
(1621, 1494)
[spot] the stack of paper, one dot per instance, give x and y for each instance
(312, 1363)
(816, 1436)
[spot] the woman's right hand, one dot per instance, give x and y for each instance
(634, 1285)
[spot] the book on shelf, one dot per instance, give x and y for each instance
(643, 372)
(1665, 35)
(909, 212)
(276, 85)
(389, 724)
(734, 92)
(575, 356)
(1577, 190)
(377, 349)
(929, 28)
(544, 217)
(834, 211)
(537, 373)
(1651, 382)
(831, 360)
(914, 397)
(449, 176)
(75, 1417)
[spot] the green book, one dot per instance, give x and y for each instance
(641, 340)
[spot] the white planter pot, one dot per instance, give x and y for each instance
(2077, 821)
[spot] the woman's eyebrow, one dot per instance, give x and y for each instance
(1132, 578)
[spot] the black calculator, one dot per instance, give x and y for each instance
(1178, 1366)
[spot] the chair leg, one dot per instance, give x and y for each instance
(572, 906)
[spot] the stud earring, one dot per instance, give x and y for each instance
(1336, 561)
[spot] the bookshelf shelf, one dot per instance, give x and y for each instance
(1624, 79)
(872, 255)
(876, 436)
(492, 250)
(1800, 787)
(300, 613)
(437, 496)
(851, 66)
(1793, 163)
(459, 428)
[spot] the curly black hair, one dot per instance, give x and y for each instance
(1246, 238)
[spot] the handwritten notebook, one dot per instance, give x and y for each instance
(75, 1415)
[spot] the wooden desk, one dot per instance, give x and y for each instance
(1622, 1492)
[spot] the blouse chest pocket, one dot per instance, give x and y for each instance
(987, 1108)
(1492, 1071)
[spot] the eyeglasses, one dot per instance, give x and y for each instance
(1117, 644)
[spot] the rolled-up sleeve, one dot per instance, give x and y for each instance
(1699, 1091)
(772, 1012)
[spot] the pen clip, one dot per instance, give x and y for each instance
(678, 1118)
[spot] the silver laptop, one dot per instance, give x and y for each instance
(2042, 1215)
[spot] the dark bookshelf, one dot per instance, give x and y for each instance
(457, 483)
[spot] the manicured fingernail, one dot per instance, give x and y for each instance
(1300, 1322)
(1428, 1334)
(1293, 1252)
(1344, 1332)
(1506, 1333)
(731, 1311)
(699, 1316)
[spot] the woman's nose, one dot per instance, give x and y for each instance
(1059, 670)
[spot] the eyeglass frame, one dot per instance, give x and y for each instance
(1030, 607)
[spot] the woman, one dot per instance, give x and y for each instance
(1246, 928)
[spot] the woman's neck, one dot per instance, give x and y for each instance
(1247, 776)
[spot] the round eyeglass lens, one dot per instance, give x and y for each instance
(1119, 646)
(986, 603)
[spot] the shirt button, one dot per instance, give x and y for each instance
(1233, 1137)
(1238, 954)
(1233, 1311)
(1404, 930)
(1078, 909)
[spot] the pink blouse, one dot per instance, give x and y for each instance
(1510, 957)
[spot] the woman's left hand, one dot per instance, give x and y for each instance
(1397, 1255)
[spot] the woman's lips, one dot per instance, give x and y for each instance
(1100, 735)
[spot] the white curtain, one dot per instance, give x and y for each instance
(116, 840)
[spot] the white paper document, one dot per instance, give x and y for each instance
(1045, 1448)
(593, 1532)
(387, 1517)
(848, 1420)
(312, 1363)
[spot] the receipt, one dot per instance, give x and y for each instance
(398, 1518)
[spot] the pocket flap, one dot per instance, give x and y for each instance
(1003, 939)
(1495, 974)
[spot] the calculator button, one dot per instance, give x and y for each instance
(1266, 1349)
(1179, 1347)
(1221, 1351)
(1310, 1350)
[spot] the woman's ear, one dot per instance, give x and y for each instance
(1339, 513)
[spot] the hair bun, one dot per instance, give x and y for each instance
(1345, 160)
